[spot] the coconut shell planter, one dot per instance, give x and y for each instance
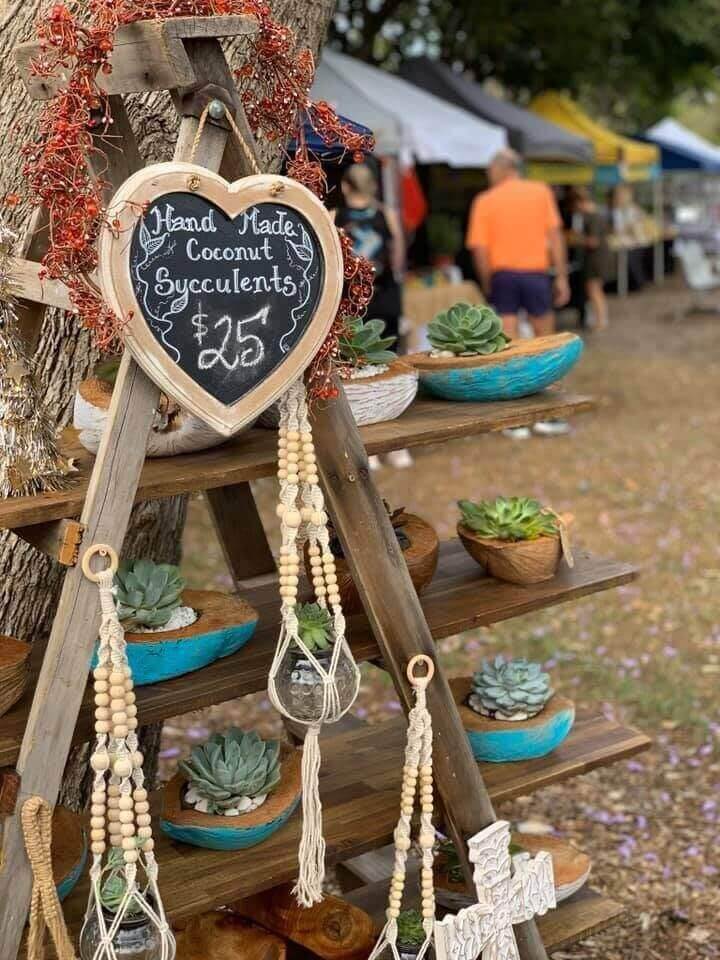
(173, 430)
(510, 712)
(420, 549)
(69, 850)
(14, 659)
(514, 539)
(234, 792)
(473, 360)
(571, 868)
(171, 631)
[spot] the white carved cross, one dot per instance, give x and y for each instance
(485, 929)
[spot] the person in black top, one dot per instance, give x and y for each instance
(376, 234)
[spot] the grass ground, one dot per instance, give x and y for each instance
(640, 476)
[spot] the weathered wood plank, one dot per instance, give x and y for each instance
(360, 812)
(396, 617)
(240, 531)
(148, 55)
(458, 599)
(111, 492)
(254, 454)
(27, 285)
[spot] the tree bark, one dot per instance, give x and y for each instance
(29, 581)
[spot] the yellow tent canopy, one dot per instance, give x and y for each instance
(610, 147)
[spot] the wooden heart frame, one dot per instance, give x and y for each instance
(114, 248)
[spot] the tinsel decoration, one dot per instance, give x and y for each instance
(77, 40)
(29, 458)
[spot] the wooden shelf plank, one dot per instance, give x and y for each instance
(458, 599)
(253, 454)
(360, 807)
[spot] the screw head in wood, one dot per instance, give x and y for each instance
(216, 109)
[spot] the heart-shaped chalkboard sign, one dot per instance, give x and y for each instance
(226, 290)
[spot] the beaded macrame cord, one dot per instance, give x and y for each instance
(417, 780)
(120, 810)
(303, 520)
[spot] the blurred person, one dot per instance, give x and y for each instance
(587, 234)
(516, 239)
(377, 235)
(627, 223)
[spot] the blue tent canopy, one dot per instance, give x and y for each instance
(317, 145)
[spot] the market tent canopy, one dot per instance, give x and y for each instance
(682, 149)
(611, 149)
(407, 122)
(530, 134)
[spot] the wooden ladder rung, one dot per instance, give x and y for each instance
(148, 55)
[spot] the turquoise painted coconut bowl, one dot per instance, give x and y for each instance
(233, 833)
(503, 741)
(224, 625)
(524, 368)
(69, 851)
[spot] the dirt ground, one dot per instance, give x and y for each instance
(640, 474)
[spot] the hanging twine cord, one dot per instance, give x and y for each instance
(249, 155)
(45, 909)
(303, 520)
(417, 780)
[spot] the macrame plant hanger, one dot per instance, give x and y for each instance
(417, 779)
(120, 810)
(334, 686)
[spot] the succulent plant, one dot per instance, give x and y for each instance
(314, 626)
(147, 593)
(450, 861)
(467, 330)
(510, 689)
(364, 343)
(230, 768)
(113, 885)
(509, 518)
(411, 932)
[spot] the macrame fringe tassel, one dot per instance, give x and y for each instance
(309, 887)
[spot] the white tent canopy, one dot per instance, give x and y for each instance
(406, 121)
(669, 133)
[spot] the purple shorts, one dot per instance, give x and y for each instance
(515, 290)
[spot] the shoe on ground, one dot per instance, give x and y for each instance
(552, 428)
(401, 459)
(517, 433)
(374, 462)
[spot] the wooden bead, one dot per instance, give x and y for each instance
(102, 726)
(97, 823)
(149, 845)
(97, 809)
(101, 686)
(127, 829)
(292, 456)
(140, 793)
(315, 562)
(117, 676)
(118, 689)
(293, 445)
(331, 579)
(144, 819)
(144, 832)
(97, 835)
(102, 713)
(127, 816)
(426, 770)
(118, 703)
(314, 550)
(122, 767)
(114, 828)
(126, 802)
(98, 795)
(101, 673)
(319, 518)
(120, 731)
(395, 900)
(426, 807)
(131, 856)
(100, 761)
(292, 435)
(128, 843)
(102, 699)
(130, 698)
(293, 479)
(113, 790)
(98, 848)
(132, 723)
(403, 843)
(291, 518)
(142, 806)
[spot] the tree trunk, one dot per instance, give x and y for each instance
(29, 581)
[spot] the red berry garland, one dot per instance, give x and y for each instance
(275, 83)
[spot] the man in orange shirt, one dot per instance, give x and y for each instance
(515, 236)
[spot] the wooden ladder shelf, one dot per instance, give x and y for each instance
(360, 798)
